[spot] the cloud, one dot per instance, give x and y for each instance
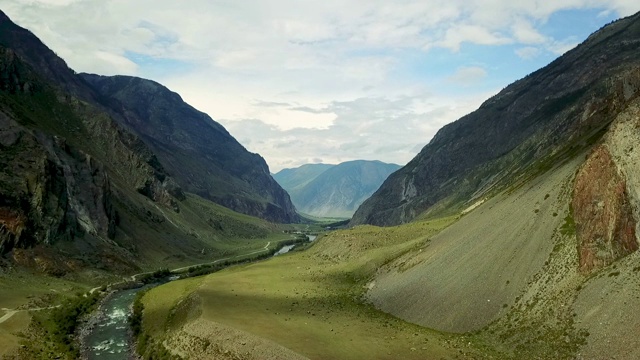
(311, 110)
(330, 80)
(388, 129)
(475, 34)
(561, 47)
(270, 104)
(112, 64)
(525, 33)
(528, 52)
(468, 75)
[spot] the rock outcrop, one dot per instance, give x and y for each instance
(605, 226)
(49, 191)
(606, 196)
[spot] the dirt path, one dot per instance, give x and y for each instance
(265, 248)
(8, 315)
(11, 312)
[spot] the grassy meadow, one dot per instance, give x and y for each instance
(25, 290)
(309, 302)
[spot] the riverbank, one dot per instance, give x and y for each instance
(105, 334)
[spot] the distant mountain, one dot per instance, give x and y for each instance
(99, 175)
(293, 179)
(531, 125)
(333, 190)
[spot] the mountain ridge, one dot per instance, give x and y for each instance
(198, 152)
(80, 191)
(553, 112)
(334, 190)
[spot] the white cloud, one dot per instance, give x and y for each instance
(111, 64)
(333, 80)
(525, 33)
(528, 52)
(468, 75)
(475, 34)
(391, 129)
(561, 47)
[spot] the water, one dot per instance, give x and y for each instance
(110, 339)
(287, 248)
(284, 250)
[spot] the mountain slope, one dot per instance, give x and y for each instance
(80, 191)
(551, 114)
(546, 268)
(196, 151)
(292, 179)
(340, 189)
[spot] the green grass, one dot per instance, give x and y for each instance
(202, 231)
(307, 218)
(156, 245)
(25, 290)
(309, 302)
(569, 226)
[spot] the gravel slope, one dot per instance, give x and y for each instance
(467, 275)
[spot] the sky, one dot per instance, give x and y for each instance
(301, 81)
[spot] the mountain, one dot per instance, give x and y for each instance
(333, 191)
(534, 123)
(292, 179)
(544, 181)
(196, 151)
(86, 181)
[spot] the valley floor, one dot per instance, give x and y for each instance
(303, 305)
(21, 291)
(500, 282)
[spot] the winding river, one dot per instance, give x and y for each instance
(109, 337)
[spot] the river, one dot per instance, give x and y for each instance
(287, 248)
(109, 337)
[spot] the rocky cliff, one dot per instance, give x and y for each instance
(532, 124)
(196, 151)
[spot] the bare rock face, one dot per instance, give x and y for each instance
(606, 200)
(605, 226)
(60, 153)
(623, 141)
(49, 191)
